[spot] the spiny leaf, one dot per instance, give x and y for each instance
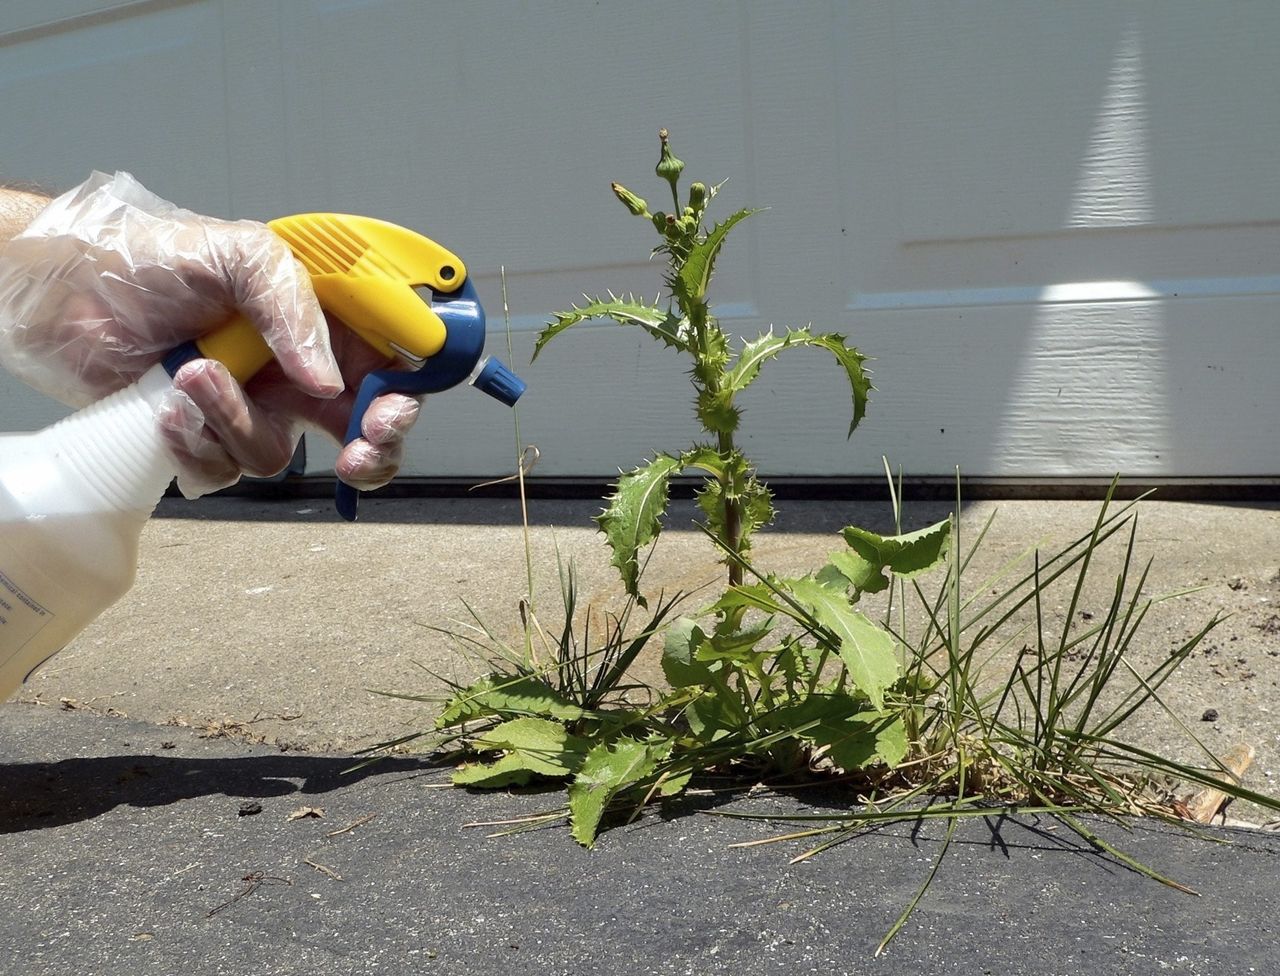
(711, 356)
(503, 694)
(866, 650)
(607, 770)
(755, 354)
(852, 361)
(659, 322)
(710, 460)
(716, 411)
(755, 509)
(690, 282)
(750, 596)
(632, 519)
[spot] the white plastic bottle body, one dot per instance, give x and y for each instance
(73, 500)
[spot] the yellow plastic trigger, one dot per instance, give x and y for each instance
(365, 272)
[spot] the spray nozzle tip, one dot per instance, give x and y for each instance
(499, 382)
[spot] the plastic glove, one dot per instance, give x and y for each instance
(109, 277)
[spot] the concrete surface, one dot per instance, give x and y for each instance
(256, 620)
(278, 614)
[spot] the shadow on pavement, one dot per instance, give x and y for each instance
(41, 795)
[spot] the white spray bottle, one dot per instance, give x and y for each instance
(75, 496)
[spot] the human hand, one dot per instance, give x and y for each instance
(109, 277)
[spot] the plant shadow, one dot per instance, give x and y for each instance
(1008, 835)
(43, 795)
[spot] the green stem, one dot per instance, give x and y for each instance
(732, 513)
(697, 313)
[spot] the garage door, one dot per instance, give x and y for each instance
(1056, 228)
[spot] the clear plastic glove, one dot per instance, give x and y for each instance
(109, 277)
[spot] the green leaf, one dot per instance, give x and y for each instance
(852, 361)
(679, 664)
(749, 596)
(508, 770)
(907, 555)
(865, 576)
(796, 663)
(866, 650)
(545, 747)
(853, 736)
(730, 640)
(717, 413)
(737, 484)
(691, 280)
(507, 695)
(671, 785)
(755, 509)
(708, 459)
(632, 519)
(863, 741)
(714, 715)
(606, 771)
(755, 354)
(711, 358)
(658, 322)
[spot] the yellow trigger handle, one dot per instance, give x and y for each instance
(365, 272)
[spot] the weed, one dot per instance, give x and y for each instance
(961, 700)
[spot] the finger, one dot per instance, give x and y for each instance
(389, 418)
(271, 389)
(274, 292)
(203, 464)
(259, 442)
(367, 466)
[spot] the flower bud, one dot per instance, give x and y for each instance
(632, 202)
(669, 168)
(660, 222)
(697, 195)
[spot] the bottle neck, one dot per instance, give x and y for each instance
(114, 447)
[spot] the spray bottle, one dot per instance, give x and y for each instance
(75, 496)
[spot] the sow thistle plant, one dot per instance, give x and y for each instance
(781, 678)
(743, 692)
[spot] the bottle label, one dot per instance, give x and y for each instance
(21, 617)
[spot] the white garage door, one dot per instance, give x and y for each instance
(1055, 227)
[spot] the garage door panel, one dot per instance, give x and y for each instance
(481, 118)
(139, 92)
(1056, 228)
(1120, 132)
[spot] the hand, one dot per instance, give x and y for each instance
(109, 277)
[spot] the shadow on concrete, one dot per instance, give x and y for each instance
(38, 796)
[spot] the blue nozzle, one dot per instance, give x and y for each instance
(499, 382)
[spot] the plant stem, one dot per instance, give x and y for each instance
(732, 512)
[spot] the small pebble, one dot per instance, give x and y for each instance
(249, 808)
(1210, 715)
